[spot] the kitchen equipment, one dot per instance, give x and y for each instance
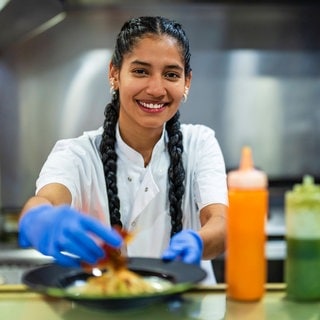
(14, 262)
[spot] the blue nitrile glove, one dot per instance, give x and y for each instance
(57, 230)
(186, 246)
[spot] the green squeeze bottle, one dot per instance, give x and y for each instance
(302, 266)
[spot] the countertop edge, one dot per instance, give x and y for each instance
(199, 288)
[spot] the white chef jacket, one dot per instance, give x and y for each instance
(143, 191)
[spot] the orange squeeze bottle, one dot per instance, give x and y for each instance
(246, 265)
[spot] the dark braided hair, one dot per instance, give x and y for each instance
(131, 32)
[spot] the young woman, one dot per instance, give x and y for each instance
(143, 171)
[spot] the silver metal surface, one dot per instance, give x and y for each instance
(256, 81)
(15, 262)
(19, 18)
(12, 273)
(10, 254)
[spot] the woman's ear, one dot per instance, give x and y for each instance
(188, 81)
(114, 76)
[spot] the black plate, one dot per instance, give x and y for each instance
(53, 280)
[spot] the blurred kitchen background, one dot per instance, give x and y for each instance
(256, 82)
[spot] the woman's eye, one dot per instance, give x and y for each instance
(139, 71)
(173, 75)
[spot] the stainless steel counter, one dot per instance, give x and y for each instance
(14, 262)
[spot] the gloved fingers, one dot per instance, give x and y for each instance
(185, 254)
(82, 245)
(52, 230)
(108, 235)
(169, 255)
(191, 256)
(23, 241)
(66, 260)
(28, 233)
(176, 248)
(186, 246)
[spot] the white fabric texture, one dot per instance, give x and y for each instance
(143, 191)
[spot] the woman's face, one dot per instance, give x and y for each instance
(151, 83)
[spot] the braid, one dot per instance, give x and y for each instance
(176, 173)
(109, 158)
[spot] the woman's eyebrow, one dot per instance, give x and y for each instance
(175, 66)
(140, 63)
(146, 64)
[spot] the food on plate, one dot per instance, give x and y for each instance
(116, 278)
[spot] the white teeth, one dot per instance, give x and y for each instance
(152, 105)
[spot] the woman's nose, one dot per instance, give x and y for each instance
(155, 86)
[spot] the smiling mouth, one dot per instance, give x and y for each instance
(152, 106)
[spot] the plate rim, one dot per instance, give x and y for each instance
(176, 288)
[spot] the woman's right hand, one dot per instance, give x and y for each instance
(65, 234)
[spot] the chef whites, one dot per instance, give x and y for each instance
(143, 191)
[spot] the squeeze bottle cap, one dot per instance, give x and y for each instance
(306, 191)
(247, 177)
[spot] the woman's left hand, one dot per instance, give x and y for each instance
(186, 246)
